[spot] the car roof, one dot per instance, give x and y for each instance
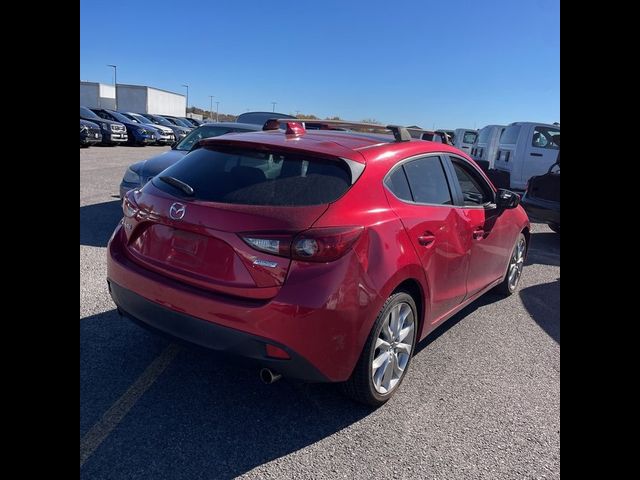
(541, 124)
(360, 147)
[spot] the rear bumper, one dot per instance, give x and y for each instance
(209, 335)
(543, 210)
(321, 316)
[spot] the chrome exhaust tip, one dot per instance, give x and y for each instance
(268, 376)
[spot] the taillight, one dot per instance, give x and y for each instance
(324, 244)
(313, 245)
(275, 244)
(129, 205)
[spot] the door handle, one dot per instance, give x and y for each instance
(427, 239)
(478, 234)
(535, 154)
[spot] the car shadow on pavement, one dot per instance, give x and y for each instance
(204, 417)
(542, 301)
(544, 249)
(98, 221)
(486, 299)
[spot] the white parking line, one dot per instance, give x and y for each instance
(112, 417)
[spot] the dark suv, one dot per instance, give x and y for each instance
(138, 133)
(89, 133)
(112, 132)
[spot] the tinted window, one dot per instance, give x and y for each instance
(510, 134)
(427, 181)
(474, 190)
(543, 137)
(250, 177)
(397, 183)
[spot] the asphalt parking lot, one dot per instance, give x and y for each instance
(481, 400)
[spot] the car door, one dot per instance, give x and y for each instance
(419, 193)
(490, 234)
(539, 154)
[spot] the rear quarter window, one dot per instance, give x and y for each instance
(510, 134)
(251, 177)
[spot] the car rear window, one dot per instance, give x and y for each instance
(252, 177)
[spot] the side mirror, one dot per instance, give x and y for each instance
(507, 199)
(173, 145)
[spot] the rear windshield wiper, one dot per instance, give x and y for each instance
(180, 185)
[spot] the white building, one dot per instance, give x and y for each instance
(133, 98)
(97, 95)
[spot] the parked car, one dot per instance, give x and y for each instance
(178, 131)
(322, 255)
(164, 135)
(259, 118)
(140, 173)
(139, 134)
(179, 121)
(193, 121)
(526, 149)
(463, 139)
(112, 132)
(437, 136)
(89, 133)
(542, 197)
(485, 146)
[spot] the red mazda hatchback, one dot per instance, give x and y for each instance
(322, 255)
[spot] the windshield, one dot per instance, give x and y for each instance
(160, 120)
(118, 116)
(181, 122)
(138, 118)
(198, 134)
(85, 112)
(132, 118)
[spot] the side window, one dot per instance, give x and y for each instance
(543, 137)
(427, 181)
(475, 191)
(397, 183)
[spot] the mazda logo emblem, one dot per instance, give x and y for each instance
(177, 211)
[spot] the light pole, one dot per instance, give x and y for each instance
(217, 103)
(211, 106)
(187, 86)
(115, 84)
(274, 106)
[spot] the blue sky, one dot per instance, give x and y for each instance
(448, 64)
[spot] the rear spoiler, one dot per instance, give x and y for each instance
(400, 133)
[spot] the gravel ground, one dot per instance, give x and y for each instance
(481, 400)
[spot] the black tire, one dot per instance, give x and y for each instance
(360, 386)
(554, 226)
(506, 288)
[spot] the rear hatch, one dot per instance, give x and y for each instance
(195, 222)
